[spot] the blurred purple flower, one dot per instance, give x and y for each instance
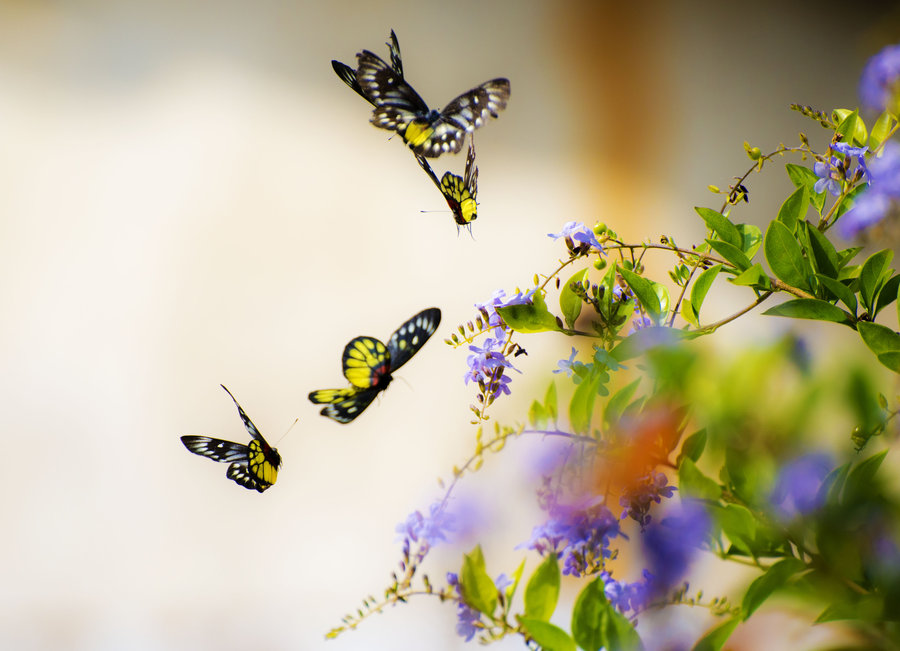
(467, 618)
(628, 596)
(796, 492)
(879, 84)
(880, 198)
(671, 544)
(567, 366)
(430, 529)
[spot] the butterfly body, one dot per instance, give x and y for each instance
(459, 192)
(253, 466)
(368, 365)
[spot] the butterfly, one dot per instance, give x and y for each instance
(368, 365)
(254, 466)
(458, 191)
(348, 74)
(398, 107)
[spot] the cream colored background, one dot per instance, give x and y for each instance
(189, 196)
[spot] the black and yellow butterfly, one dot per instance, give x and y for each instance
(348, 74)
(459, 192)
(398, 107)
(254, 466)
(368, 365)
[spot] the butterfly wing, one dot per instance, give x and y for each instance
(240, 473)
(366, 363)
(396, 61)
(348, 76)
(433, 135)
(215, 449)
(411, 336)
(396, 103)
(343, 405)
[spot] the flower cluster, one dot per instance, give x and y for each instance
(468, 619)
(579, 533)
(838, 169)
(488, 362)
(879, 86)
(881, 196)
(646, 491)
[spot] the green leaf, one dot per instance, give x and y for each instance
(516, 577)
(701, 286)
(751, 239)
(755, 276)
(880, 130)
(694, 483)
(891, 360)
(693, 446)
(548, 636)
(731, 253)
(825, 256)
(794, 208)
(596, 623)
(537, 415)
(550, 401)
(887, 294)
(803, 176)
(785, 257)
(644, 291)
(878, 338)
(529, 318)
(478, 590)
(851, 126)
(861, 480)
(581, 408)
(718, 223)
(569, 302)
(774, 578)
(871, 276)
(688, 313)
(740, 526)
(840, 291)
(717, 637)
(811, 308)
(542, 591)
(612, 412)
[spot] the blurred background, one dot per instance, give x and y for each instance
(189, 196)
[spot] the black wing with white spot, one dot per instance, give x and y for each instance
(412, 335)
(215, 449)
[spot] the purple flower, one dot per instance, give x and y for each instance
(488, 365)
(879, 85)
(578, 232)
(499, 299)
(670, 544)
(430, 529)
(647, 491)
(467, 619)
(851, 154)
(627, 596)
(641, 322)
(830, 176)
(567, 366)
(796, 491)
(880, 198)
(579, 533)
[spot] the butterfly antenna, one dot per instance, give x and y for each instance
(296, 420)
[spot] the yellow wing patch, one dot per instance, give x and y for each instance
(364, 359)
(265, 472)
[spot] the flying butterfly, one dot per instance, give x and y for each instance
(254, 466)
(348, 74)
(398, 107)
(458, 191)
(368, 364)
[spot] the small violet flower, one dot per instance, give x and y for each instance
(468, 619)
(879, 85)
(830, 176)
(578, 232)
(567, 366)
(646, 491)
(627, 596)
